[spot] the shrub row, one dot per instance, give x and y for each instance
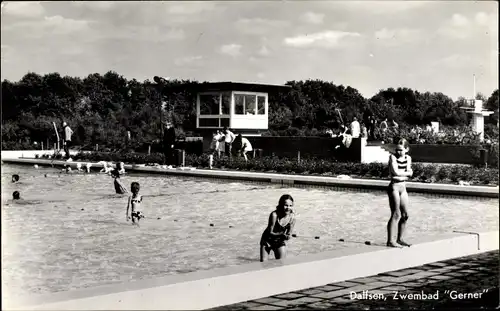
(422, 173)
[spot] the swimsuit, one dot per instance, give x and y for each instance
(397, 184)
(271, 242)
(137, 214)
(137, 200)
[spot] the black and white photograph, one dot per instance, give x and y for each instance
(250, 155)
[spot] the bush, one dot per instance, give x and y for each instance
(422, 173)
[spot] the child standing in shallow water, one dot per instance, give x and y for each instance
(279, 229)
(134, 203)
(399, 171)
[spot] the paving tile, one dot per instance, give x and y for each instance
(390, 279)
(312, 291)
(382, 291)
(321, 305)
(456, 274)
(441, 277)
(248, 305)
(327, 288)
(456, 281)
(396, 288)
(266, 300)
(345, 284)
(419, 275)
(289, 295)
(296, 302)
(267, 307)
(365, 280)
(414, 283)
(333, 294)
(441, 270)
(341, 300)
(401, 272)
(436, 265)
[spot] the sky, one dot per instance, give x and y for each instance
(433, 46)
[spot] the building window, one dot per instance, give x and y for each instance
(224, 122)
(226, 103)
(239, 104)
(250, 104)
(261, 105)
(209, 122)
(209, 104)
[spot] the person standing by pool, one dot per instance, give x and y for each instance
(399, 171)
(68, 132)
(134, 203)
(355, 128)
(228, 141)
(169, 137)
(279, 229)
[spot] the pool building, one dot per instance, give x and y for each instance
(242, 107)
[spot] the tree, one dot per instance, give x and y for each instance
(492, 104)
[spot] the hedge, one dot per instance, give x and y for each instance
(429, 173)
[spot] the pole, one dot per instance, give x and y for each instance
(474, 95)
(57, 134)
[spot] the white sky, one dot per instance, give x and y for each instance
(369, 45)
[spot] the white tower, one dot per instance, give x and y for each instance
(478, 113)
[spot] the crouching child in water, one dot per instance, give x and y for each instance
(119, 188)
(279, 229)
(399, 171)
(134, 203)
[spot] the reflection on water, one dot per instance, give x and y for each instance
(76, 235)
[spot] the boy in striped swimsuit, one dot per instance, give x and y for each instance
(399, 171)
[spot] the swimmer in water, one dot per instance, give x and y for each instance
(279, 229)
(134, 203)
(16, 199)
(15, 178)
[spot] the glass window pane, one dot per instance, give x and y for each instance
(238, 104)
(261, 105)
(249, 104)
(226, 103)
(209, 122)
(224, 122)
(209, 104)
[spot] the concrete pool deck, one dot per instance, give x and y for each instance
(232, 285)
(469, 282)
(288, 179)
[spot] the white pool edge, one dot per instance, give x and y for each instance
(218, 287)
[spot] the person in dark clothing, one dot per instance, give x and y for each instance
(68, 132)
(168, 143)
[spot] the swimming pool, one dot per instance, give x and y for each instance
(74, 233)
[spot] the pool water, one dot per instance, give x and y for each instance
(72, 230)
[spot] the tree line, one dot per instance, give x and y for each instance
(102, 108)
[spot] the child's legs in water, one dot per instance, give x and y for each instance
(264, 253)
(394, 203)
(403, 206)
(280, 253)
